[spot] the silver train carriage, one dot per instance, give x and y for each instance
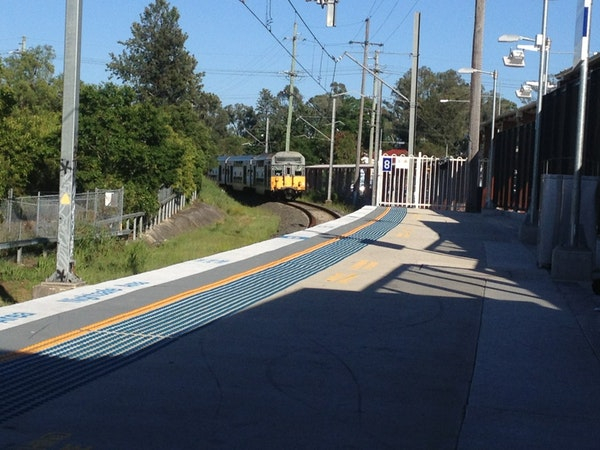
(278, 174)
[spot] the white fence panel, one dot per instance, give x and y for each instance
(437, 183)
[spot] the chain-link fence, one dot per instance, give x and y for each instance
(30, 218)
(33, 217)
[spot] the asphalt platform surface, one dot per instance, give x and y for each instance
(440, 334)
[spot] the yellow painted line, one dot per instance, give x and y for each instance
(342, 278)
(364, 265)
(43, 345)
(346, 277)
(336, 277)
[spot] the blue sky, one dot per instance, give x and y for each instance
(240, 56)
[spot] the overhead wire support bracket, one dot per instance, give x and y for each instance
(396, 91)
(330, 4)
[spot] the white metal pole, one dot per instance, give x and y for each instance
(331, 148)
(535, 182)
(581, 110)
(267, 137)
(66, 209)
(490, 167)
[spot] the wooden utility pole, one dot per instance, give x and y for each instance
(362, 106)
(376, 100)
(475, 109)
(414, 83)
(361, 113)
(288, 132)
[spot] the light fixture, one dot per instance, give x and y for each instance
(524, 93)
(512, 38)
(330, 4)
(543, 43)
(516, 58)
(535, 85)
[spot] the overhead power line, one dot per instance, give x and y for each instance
(268, 28)
(310, 31)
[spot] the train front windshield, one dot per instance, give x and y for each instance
(288, 170)
(294, 165)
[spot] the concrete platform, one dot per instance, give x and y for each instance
(53, 287)
(440, 333)
(572, 264)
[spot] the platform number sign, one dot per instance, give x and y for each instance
(386, 164)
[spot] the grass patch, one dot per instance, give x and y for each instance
(240, 228)
(100, 257)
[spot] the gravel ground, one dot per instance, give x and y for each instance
(292, 219)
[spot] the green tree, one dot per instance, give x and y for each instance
(126, 143)
(29, 75)
(172, 124)
(211, 112)
(30, 152)
(269, 106)
(440, 126)
(29, 122)
(155, 62)
(347, 109)
(241, 118)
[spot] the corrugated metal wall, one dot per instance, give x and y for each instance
(515, 140)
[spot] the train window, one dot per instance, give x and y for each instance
(289, 159)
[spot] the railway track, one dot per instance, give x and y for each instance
(316, 214)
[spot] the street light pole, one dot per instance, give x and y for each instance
(543, 43)
(535, 185)
(489, 203)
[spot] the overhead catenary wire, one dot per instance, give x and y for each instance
(400, 23)
(267, 27)
(310, 31)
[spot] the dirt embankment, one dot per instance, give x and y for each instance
(197, 215)
(200, 215)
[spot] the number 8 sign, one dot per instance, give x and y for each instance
(386, 164)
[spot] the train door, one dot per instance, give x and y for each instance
(287, 176)
(259, 176)
(298, 180)
(276, 177)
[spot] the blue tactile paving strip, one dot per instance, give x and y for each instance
(33, 379)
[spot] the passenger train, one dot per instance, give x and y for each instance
(278, 174)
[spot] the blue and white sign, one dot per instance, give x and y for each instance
(582, 31)
(386, 164)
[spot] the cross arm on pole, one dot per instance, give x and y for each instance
(396, 91)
